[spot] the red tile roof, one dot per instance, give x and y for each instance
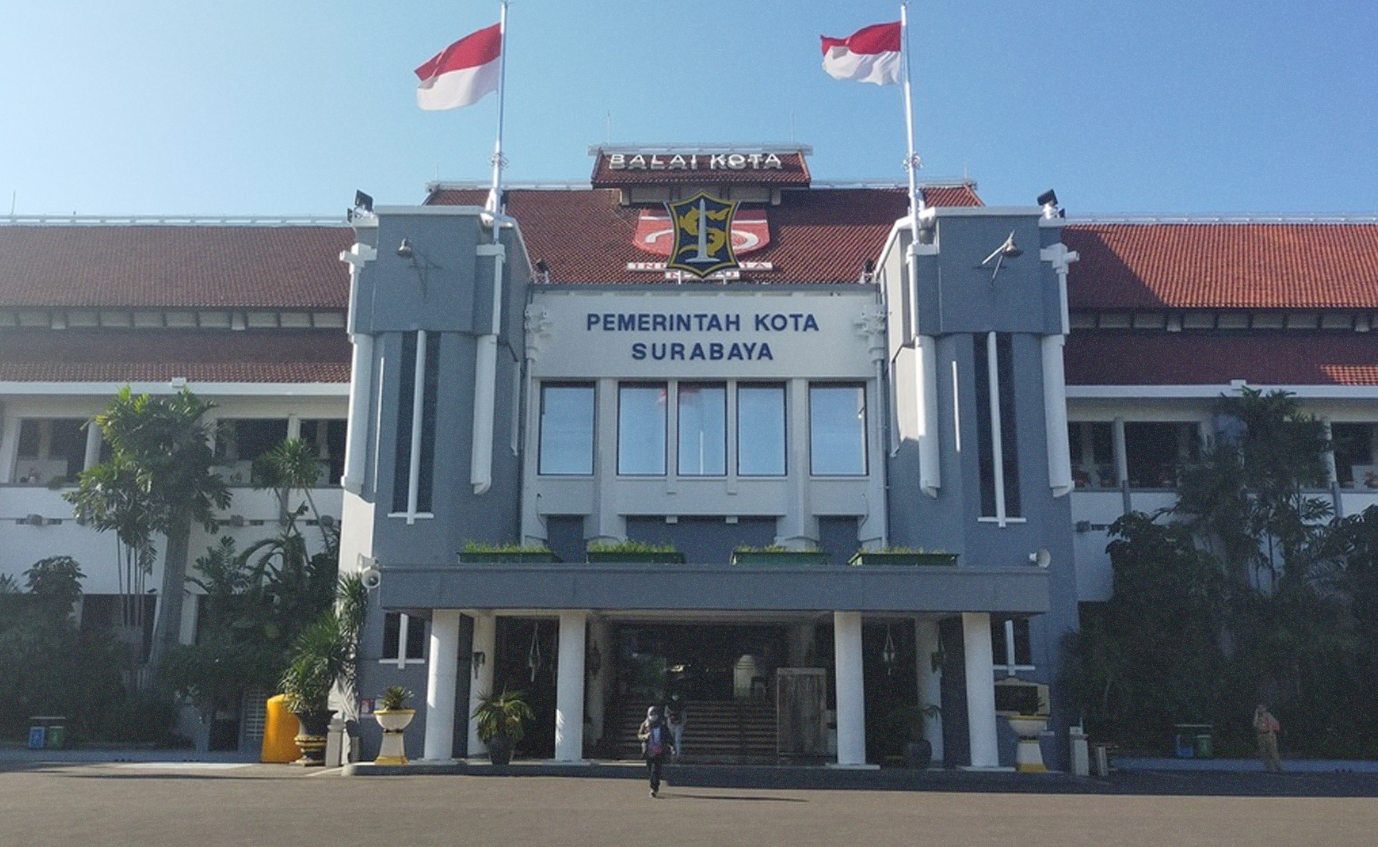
(262, 356)
(154, 266)
(1216, 358)
(819, 235)
(1223, 265)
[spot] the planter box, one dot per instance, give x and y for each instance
(671, 557)
(867, 557)
(528, 557)
(787, 558)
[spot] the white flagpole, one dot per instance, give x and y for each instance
(494, 203)
(912, 162)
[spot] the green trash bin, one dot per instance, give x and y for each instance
(1203, 746)
(56, 737)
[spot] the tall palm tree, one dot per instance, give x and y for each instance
(158, 480)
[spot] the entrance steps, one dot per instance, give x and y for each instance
(715, 732)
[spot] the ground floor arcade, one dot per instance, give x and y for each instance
(583, 665)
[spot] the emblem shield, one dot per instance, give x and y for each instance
(703, 241)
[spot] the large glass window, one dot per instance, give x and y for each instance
(702, 429)
(641, 429)
(761, 430)
(566, 429)
(837, 430)
(404, 638)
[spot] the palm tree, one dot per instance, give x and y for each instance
(158, 480)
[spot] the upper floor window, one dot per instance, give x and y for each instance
(50, 449)
(1093, 454)
(837, 429)
(566, 429)
(760, 429)
(641, 428)
(1154, 450)
(702, 428)
(404, 638)
(1356, 461)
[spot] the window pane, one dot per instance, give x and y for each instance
(761, 430)
(641, 429)
(837, 430)
(702, 429)
(566, 429)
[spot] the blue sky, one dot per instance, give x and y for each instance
(266, 107)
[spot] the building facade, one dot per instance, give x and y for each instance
(991, 384)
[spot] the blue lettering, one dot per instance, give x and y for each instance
(638, 351)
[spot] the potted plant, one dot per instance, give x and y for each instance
(906, 724)
(324, 656)
(910, 556)
(776, 554)
(479, 552)
(501, 723)
(632, 551)
(393, 716)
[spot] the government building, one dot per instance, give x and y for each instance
(790, 452)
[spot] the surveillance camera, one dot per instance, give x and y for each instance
(372, 578)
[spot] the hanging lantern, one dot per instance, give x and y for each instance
(888, 656)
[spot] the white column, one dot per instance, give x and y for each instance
(569, 688)
(980, 684)
(440, 685)
(93, 443)
(485, 642)
(851, 698)
(930, 681)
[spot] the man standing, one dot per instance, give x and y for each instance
(1267, 726)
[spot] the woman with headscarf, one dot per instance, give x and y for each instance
(657, 743)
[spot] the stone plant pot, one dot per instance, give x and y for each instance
(313, 728)
(1028, 756)
(393, 722)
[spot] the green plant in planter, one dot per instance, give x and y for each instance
(323, 656)
(479, 551)
(394, 698)
(905, 724)
(501, 722)
(630, 550)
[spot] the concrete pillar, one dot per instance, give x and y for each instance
(930, 681)
(93, 443)
(441, 672)
(569, 688)
(851, 698)
(980, 685)
(485, 641)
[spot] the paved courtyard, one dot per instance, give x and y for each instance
(152, 804)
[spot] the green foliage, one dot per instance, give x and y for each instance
(158, 480)
(1246, 591)
(482, 547)
(775, 548)
(503, 714)
(325, 654)
(394, 697)
(629, 546)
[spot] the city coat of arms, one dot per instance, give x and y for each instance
(703, 235)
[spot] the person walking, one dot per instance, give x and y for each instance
(1267, 727)
(657, 743)
(675, 718)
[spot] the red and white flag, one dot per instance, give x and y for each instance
(872, 54)
(462, 73)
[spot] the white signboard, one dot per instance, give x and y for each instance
(701, 334)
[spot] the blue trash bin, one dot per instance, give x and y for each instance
(37, 737)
